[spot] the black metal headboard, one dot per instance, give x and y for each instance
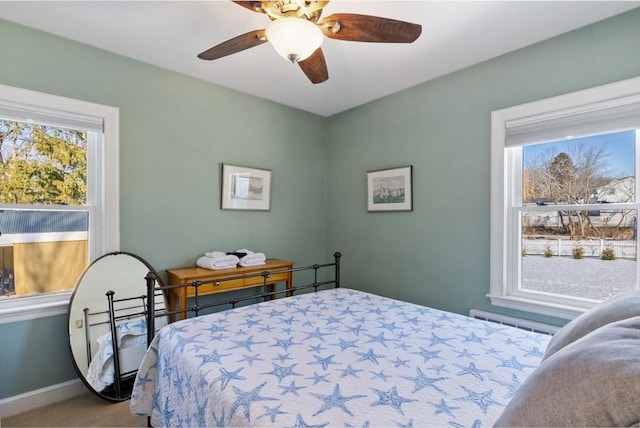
(266, 292)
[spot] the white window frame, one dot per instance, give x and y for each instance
(105, 234)
(506, 191)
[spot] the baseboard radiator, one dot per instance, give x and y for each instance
(523, 324)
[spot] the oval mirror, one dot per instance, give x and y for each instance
(108, 306)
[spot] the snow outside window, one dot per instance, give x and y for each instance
(564, 200)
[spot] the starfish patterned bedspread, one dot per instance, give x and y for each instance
(337, 357)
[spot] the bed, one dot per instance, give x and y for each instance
(131, 345)
(124, 321)
(343, 357)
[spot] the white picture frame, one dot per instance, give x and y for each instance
(390, 189)
(245, 188)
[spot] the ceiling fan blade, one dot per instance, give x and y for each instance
(315, 67)
(366, 28)
(255, 6)
(235, 45)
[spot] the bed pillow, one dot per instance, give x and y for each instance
(621, 306)
(594, 381)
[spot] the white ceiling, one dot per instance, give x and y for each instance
(169, 34)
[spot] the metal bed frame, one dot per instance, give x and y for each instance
(135, 307)
(266, 293)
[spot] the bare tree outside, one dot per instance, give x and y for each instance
(574, 218)
(575, 176)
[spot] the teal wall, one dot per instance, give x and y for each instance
(175, 131)
(438, 255)
(33, 355)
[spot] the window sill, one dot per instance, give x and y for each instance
(551, 309)
(33, 307)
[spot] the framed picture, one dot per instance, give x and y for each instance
(245, 188)
(390, 189)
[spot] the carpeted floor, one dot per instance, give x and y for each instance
(86, 410)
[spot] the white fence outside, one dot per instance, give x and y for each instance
(592, 247)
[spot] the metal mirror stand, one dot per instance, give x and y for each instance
(108, 307)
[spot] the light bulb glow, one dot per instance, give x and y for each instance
(295, 39)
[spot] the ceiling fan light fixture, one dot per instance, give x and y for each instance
(295, 39)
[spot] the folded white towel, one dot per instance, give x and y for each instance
(251, 263)
(253, 259)
(215, 263)
(215, 254)
(255, 256)
(244, 250)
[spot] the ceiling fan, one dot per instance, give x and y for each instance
(296, 32)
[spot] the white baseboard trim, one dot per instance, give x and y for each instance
(40, 397)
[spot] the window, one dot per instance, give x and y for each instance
(564, 200)
(59, 207)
